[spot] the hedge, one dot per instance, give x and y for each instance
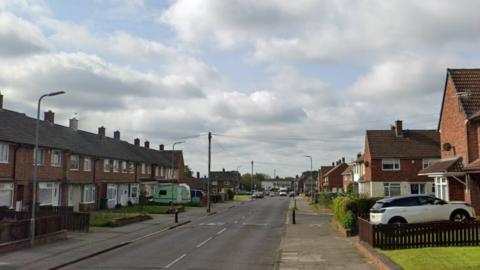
(347, 210)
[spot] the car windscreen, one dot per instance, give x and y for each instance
(377, 205)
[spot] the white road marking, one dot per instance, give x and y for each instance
(204, 242)
(148, 235)
(175, 261)
(220, 232)
(236, 221)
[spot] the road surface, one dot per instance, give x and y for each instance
(244, 237)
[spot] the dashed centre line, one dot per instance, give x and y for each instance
(204, 242)
(220, 232)
(175, 261)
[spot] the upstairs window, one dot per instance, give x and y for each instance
(40, 157)
(116, 166)
(56, 158)
(106, 165)
(156, 171)
(3, 153)
(391, 164)
(87, 164)
(74, 163)
(131, 167)
(149, 169)
(143, 168)
(124, 167)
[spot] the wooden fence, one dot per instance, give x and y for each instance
(20, 229)
(418, 235)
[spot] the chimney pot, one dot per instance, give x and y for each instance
(136, 142)
(1, 101)
(49, 117)
(399, 128)
(73, 123)
(116, 135)
(147, 144)
(162, 147)
(343, 159)
(223, 169)
(198, 175)
(101, 131)
(359, 155)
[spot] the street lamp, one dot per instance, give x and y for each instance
(35, 166)
(173, 165)
(311, 176)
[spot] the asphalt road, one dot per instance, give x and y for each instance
(244, 237)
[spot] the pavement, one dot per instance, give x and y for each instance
(81, 244)
(311, 243)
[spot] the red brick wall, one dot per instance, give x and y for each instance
(408, 171)
(80, 175)
(452, 125)
(368, 161)
(475, 190)
(456, 190)
(472, 131)
(111, 176)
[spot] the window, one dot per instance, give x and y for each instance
(143, 168)
(134, 190)
(417, 188)
(162, 192)
(112, 192)
(156, 171)
(106, 165)
(162, 171)
(87, 164)
(391, 189)
(426, 200)
(410, 201)
(116, 166)
(391, 164)
(124, 167)
(40, 157)
(3, 153)
(131, 167)
(149, 169)
(56, 158)
(74, 163)
(6, 195)
(441, 188)
(47, 194)
(89, 193)
(429, 161)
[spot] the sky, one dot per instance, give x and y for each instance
(272, 80)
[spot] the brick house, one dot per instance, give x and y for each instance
(358, 169)
(347, 176)
(222, 180)
(393, 158)
(321, 173)
(457, 175)
(75, 168)
(332, 180)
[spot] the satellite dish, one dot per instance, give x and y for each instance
(447, 147)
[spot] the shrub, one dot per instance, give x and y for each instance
(325, 200)
(347, 210)
(230, 194)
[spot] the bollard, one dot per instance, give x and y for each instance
(293, 217)
(176, 215)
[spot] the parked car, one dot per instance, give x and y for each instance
(418, 208)
(257, 195)
(283, 192)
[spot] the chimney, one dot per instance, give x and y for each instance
(333, 163)
(223, 169)
(136, 142)
(49, 117)
(398, 128)
(198, 175)
(343, 159)
(73, 123)
(101, 131)
(146, 144)
(116, 135)
(162, 147)
(359, 155)
(1, 101)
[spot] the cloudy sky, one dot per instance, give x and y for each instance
(273, 80)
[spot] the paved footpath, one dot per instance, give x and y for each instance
(311, 243)
(79, 245)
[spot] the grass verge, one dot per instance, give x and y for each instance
(242, 198)
(441, 258)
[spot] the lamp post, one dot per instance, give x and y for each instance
(35, 166)
(311, 177)
(173, 165)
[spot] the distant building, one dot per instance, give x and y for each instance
(222, 180)
(269, 184)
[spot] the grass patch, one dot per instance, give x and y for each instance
(242, 198)
(147, 209)
(107, 218)
(441, 258)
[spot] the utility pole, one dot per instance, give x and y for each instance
(251, 182)
(209, 163)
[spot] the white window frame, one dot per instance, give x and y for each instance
(114, 191)
(89, 194)
(106, 165)
(428, 161)
(135, 187)
(42, 156)
(149, 169)
(131, 167)
(53, 161)
(441, 193)
(54, 192)
(156, 171)
(4, 148)
(116, 166)
(124, 167)
(144, 168)
(87, 164)
(393, 161)
(72, 158)
(419, 188)
(8, 188)
(388, 185)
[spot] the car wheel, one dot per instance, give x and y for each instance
(397, 220)
(459, 216)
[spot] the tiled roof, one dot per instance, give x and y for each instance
(225, 176)
(339, 168)
(412, 144)
(348, 170)
(473, 166)
(443, 166)
(467, 85)
(19, 128)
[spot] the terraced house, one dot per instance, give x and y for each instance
(392, 159)
(77, 168)
(457, 175)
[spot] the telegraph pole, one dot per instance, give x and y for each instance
(209, 162)
(251, 182)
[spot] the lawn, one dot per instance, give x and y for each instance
(107, 218)
(147, 209)
(242, 198)
(445, 258)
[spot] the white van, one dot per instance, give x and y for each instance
(283, 192)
